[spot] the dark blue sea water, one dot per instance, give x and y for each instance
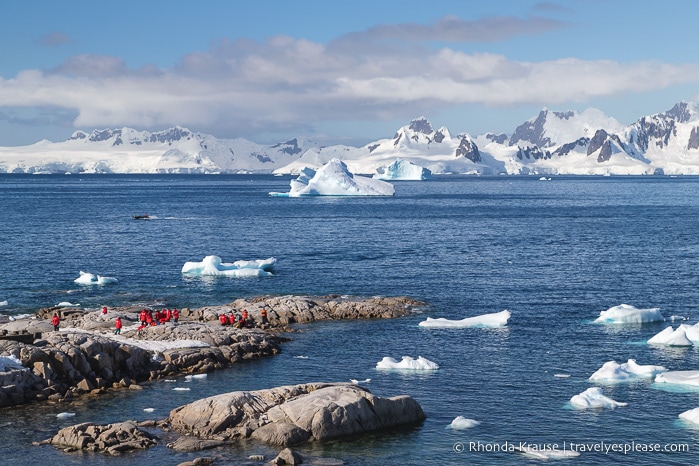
(554, 253)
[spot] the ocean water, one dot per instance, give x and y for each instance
(554, 253)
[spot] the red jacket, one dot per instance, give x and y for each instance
(55, 320)
(118, 323)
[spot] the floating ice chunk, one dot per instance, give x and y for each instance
(671, 337)
(675, 318)
(407, 363)
(679, 378)
(402, 170)
(462, 423)
(562, 376)
(691, 416)
(546, 452)
(627, 314)
(67, 304)
(195, 376)
(212, 266)
(86, 278)
(4, 303)
(497, 319)
(334, 179)
(614, 372)
(357, 382)
(181, 389)
(65, 415)
(593, 398)
(149, 410)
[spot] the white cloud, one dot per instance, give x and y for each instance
(288, 83)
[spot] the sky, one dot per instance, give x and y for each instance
(335, 72)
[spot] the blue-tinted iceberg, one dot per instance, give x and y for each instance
(614, 372)
(627, 314)
(679, 378)
(684, 335)
(212, 266)
(497, 319)
(593, 398)
(334, 179)
(86, 278)
(402, 170)
(407, 363)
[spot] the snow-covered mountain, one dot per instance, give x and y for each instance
(125, 150)
(552, 142)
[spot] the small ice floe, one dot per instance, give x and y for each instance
(546, 452)
(612, 371)
(496, 319)
(300, 357)
(543, 178)
(87, 278)
(149, 410)
(691, 416)
(189, 378)
(627, 314)
(212, 266)
(407, 363)
(593, 398)
(462, 423)
(181, 389)
(684, 335)
(67, 304)
(357, 382)
(676, 318)
(4, 303)
(561, 376)
(65, 415)
(690, 378)
(170, 380)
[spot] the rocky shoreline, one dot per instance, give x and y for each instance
(85, 356)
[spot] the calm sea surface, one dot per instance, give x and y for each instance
(554, 253)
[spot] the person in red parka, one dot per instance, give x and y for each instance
(55, 321)
(223, 319)
(104, 310)
(175, 315)
(143, 316)
(117, 324)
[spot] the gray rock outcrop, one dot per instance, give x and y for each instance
(113, 439)
(293, 414)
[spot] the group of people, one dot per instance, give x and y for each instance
(242, 320)
(148, 318)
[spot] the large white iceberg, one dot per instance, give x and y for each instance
(593, 398)
(334, 179)
(614, 372)
(496, 319)
(407, 363)
(402, 170)
(691, 416)
(684, 335)
(212, 266)
(627, 314)
(679, 378)
(87, 278)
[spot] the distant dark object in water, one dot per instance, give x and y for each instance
(141, 217)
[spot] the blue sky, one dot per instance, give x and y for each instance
(337, 72)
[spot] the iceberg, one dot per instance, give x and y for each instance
(614, 372)
(627, 314)
(691, 416)
(402, 170)
(462, 423)
(407, 363)
(593, 398)
(679, 378)
(496, 319)
(684, 335)
(334, 179)
(86, 278)
(212, 266)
